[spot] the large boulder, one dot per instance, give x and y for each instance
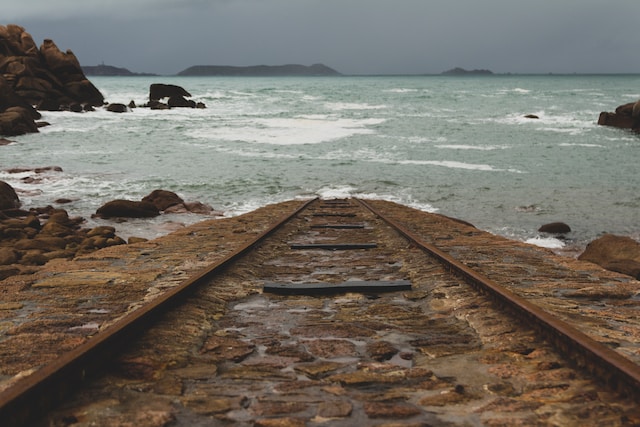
(17, 121)
(46, 76)
(157, 91)
(17, 116)
(614, 253)
(127, 209)
(8, 197)
(162, 199)
(626, 116)
(555, 228)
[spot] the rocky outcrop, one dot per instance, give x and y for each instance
(615, 253)
(163, 199)
(626, 116)
(152, 205)
(35, 236)
(555, 228)
(44, 77)
(8, 197)
(176, 97)
(127, 209)
(157, 91)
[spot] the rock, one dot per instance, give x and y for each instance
(117, 108)
(629, 267)
(531, 116)
(8, 256)
(17, 116)
(134, 239)
(157, 91)
(615, 253)
(17, 121)
(555, 228)
(4, 141)
(8, 197)
(199, 208)
(45, 76)
(162, 199)
(157, 105)
(179, 101)
(25, 242)
(626, 116)
(103, 230)
(127, 209)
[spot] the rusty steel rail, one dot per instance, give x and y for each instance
(618, 372)
(31, 397)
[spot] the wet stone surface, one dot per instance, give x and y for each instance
(437, 355)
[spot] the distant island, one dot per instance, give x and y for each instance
(109, 70)
(462, 72)
(260, 70)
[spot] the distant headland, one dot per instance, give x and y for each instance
(260, 70)
(110, 70)
(462, 72)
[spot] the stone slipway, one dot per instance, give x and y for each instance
(66, 302)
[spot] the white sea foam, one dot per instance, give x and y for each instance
(474, 147)
(546, 242)
(567, 144)
(340, 106)
(401, 90)
(288, 131)
(455, 165)
(346, 191)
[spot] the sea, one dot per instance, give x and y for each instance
(460, 146)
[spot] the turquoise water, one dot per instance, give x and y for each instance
(458, 146)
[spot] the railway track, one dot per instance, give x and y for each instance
(333, 303)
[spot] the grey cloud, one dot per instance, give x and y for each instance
(355, 36)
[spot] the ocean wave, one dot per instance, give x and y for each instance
(341, 106)
(456, 165)
(568, 144)
(473, 147)
(287, 131)
(546, 242)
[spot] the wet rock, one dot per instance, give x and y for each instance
(199, 208)
(17, 121)
(271, 408)
(392, 410)
(615, 253)
(8, 256)
(127, 209)
(280, 422)
(46, 77)
(134, 239)
(381, 350)
(157, 91)
(317, 370)
(117, 108)
(336, 409)
(179, 101)
(332, 348)
(163, 199)
(227, 348)
(555, 228)
(8, 197)
(626, 116)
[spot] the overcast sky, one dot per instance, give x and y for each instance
(351, 36)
